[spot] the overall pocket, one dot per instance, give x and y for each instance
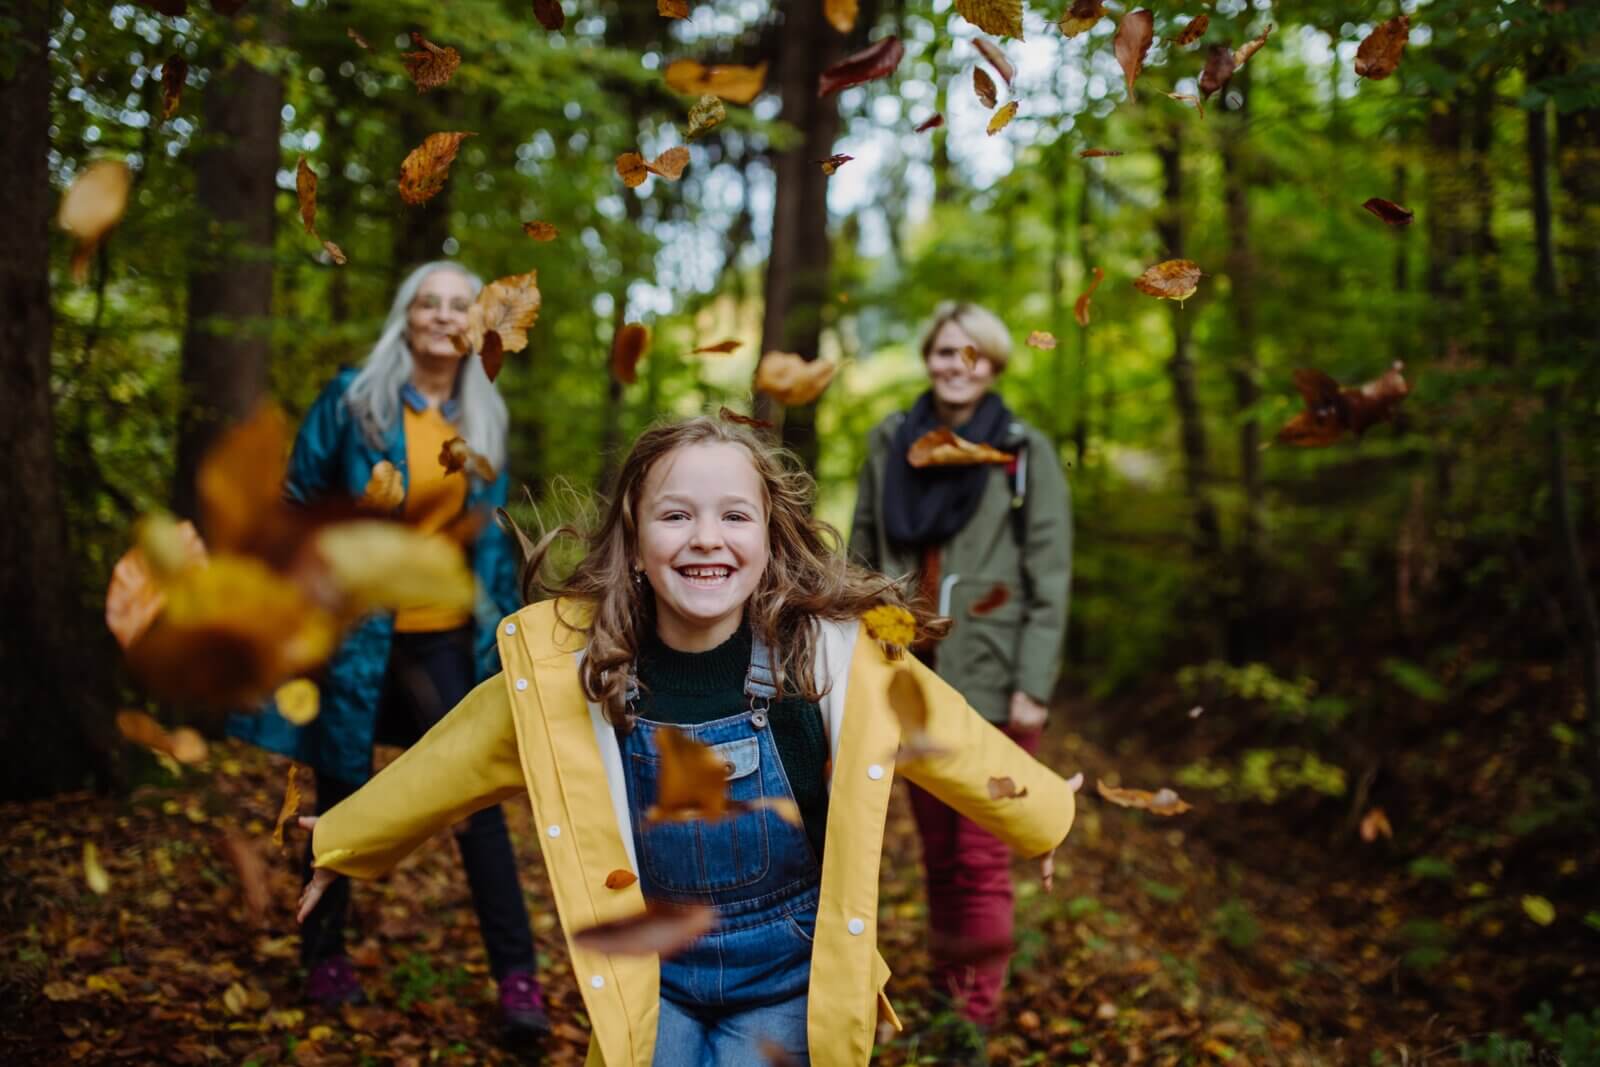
(696, 857)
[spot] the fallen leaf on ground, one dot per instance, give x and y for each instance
(1161, 802)
(660, 930)
(1172, 279)
(427, 166)
(1005, 788)
(1379, 54)
(1389, 211)
(627, 349)
(1333, 410)
(871, 63)
(1539, 910)
(431, 66)
(1134, 34)
(94, 875)
(1002, 118)
(792, 380)
(731, 82)
(1080, 307)
(1000, 17)
(941, 447)
(1081, 16)
(1375, 824)
(1041, 339)
(290, 807)
(1195, 30)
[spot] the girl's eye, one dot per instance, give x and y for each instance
(738, 515)
(674, 515)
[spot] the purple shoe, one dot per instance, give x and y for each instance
(522, 1008)
(333, 982)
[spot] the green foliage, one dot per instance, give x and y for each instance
(415, 978)
(1432, 867)
(1292, 700)
(1264, 775)
(1573, 1043)
(1428, 942)
(1235, 924)
(1414, 679)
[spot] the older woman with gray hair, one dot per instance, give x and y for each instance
(395, 676)
(991, 546)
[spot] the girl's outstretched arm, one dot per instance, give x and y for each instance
(468, 761)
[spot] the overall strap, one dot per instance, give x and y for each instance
(760, 684)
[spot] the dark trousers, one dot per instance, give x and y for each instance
(428, 674)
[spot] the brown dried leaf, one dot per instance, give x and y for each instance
(1080, 307)
(991, 601)
(841, 14)
(1041, 339)
(620, 879)
(174, 72)
(1161, 802)
(492, 353)
(908, 702)
(1218, 70)
(833, 163)
(721, 348)
(793, 380)
(1242, 55)
(1389, 211)
(942, 448)
(670, 163)
(508, 306)
(1195, 30)
(1002, 118)
(335, 253)
(425, 168)
(385, 489)
(983, 85)
(1081, 17)
(1000, 17)
(134, 597)
(672, 9)
(932, 122)
(692, 783)
(744, 420)
(290, 806)
(1134, 34)
(997, 59)
(431, 66)
(357, 38)
(1004, 788)
(1190, 99)
(305, 188)
(660, 930)
(969, 355)
(1172, 279)
(1379, 55)
(627, 349)
(549, 14)
(876, 61)
(540, 231)
(91, 206)
(631, 168)
(1333, 410)
(733, 83)
(707, 113)
(1375, 824)
(1098, 153)
(457, 457)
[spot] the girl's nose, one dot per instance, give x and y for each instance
(706, 534)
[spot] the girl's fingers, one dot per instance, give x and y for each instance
(320, 880)
(1047, 870)
(308, 822)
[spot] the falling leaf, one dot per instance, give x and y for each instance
(970, 355)
(250, 869)
(833, 163)
(385, 489)
(1379, 55)
(721, 348)
(672, 9)
(540, 231)
(1000, 17)
(549, 14)
(1041, 339)
(1075, 783)
(1191, 99)
(841, 14)
(335, 253)
(733, 83)
(94, 875)
(871, 63)
(388, 566)
(1195, 30)
(1134, 34)
(620, 879)
(1389, 211)
(692, 783)
(670, 163)
(1375, 824)
(1196, 711)
(297, 701)
(1005, 788)
(507, 306)
(707, 112)
(187, 746)
(456, 457)
(983, 85)
(184, 744)
(632, 170)
(91, 206)
(1333, 410)
(174, 72)
(425, 168)
(305, 187)
(290, 806)
(431, 66)
(1218, 70)
(1081, 16)
(1161, 802)
(1172, 279)
(942, 448)
(1000, 119)
(890, 624)
(793, 380)
(997, 59)
(1250, 48)
(627, 349)
(492, 353)
(932, 122)
(660, 930)
(134, 597)
(991, 601)
(1538, 909)
(357, 38)
(744, 420)
(783, 807)
(1098, 153)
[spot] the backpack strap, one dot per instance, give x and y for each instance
(1017, 483)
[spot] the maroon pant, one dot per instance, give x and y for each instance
(969, 900)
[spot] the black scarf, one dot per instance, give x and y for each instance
(931, 505)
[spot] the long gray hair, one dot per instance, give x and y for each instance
(374, 397)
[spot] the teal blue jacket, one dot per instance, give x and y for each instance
(332, 458)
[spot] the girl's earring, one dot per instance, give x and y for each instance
(638, 578)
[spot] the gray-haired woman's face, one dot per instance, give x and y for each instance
(956, 382)
(438, 312)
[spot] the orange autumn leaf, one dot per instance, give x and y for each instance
(549, 14)
(1161, 802)
(672, 9)
(731, 82)
(174, 72)
(1379, 54)
(744, 420)
(984, 86)
(91, 206)
(1195, 30)
(1098, 153)
(627, 349)
(1003, 18)
(632, 170)
(385, 489)
(1081, 16)
(841, 14)
(183, 744)
(783, 807)
(134, 597)
(660, 930)
(1375, 824)
(1333, 410)
(833, 163)
(1041, 339)
(991, 601)
(305, 188)
(620, 879)
(508, 307)
(969, 355)
(670, 163)
(457, 457)
(793, 380)
(540, 231)
(721, 348)
(996, 57)
(1080, 307)
(1005, 788)
(1002, 118)
(335, 253)
(426, 167)
(1172, 279)
(942, 448)
(357, 38)
(1134, 34)
(431, 66)
(290, 806)
(1250, 48)
(692, 783)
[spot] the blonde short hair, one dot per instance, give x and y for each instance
(981, 324)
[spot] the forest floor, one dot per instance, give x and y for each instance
(1155, 947)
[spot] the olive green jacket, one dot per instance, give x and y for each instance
(1016, 646)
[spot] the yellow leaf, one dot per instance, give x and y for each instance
(385, 490)
(104, 983)
(1043, 339)
(1081, 16)
(94, 874)
(508, 306)
(841, 14)
(1172, 279)
(1539, 910)
(793, 380)
(60, 991)
(1000, 119)
(298, 701)
(735, 84)
(1000, 17)
(291, 804)
(890, 624)
(236, 999)
(380, 565)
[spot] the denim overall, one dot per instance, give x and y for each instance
(757, 871)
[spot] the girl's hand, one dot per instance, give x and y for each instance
(321, 879)
(1047, 870)
(1027, 713)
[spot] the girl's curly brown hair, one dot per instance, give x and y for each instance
(807, 575)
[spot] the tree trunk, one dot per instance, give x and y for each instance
(53, 681)
(226, 337)
(797, 266)
(423, 228)
(1180, 368)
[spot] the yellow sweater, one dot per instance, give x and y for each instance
(433, 500)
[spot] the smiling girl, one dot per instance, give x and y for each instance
(709, 601)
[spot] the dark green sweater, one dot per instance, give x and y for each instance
(688, 688)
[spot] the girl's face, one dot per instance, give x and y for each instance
(702, 541)
(955, 384)
(438, 312)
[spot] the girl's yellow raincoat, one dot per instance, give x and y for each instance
(532, 728)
